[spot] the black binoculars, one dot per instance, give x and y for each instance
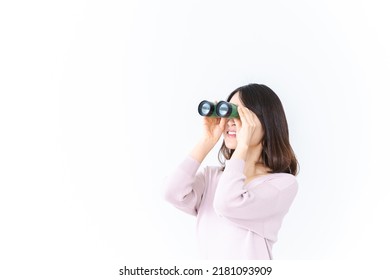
(222, 109)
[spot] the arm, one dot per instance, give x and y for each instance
(246, 125)
(212, 131)
(233, 199)
(185, 186)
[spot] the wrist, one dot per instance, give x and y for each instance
(207, 142)
(201, 149)
(241, 151)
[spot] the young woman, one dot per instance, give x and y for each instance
(239, 206)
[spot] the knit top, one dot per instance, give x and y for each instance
(235, 220)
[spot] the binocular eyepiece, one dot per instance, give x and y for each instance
(222, 109)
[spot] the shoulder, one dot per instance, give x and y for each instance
(212, 170)
(280, 181)
(210, 174)
(283, 181)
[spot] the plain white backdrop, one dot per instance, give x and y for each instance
(98, 103)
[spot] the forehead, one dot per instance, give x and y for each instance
(236, 99)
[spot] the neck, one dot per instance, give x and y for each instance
(251, 155)
(253, 167)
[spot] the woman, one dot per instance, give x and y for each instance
(239, 206)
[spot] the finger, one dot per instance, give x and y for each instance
(222, 123)
(242, 113)
(254, 118)
(250, 116)
(209, 121)
(238, 123)
(206, 120)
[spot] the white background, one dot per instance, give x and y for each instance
(98, 102)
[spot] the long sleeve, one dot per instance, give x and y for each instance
(263, 199)
(185, 186)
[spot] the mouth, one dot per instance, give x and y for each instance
(231, 133)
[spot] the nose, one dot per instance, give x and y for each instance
(231, 122)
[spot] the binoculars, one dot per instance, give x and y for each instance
(222, 109)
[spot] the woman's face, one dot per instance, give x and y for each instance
(233, 125)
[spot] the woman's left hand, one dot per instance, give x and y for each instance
(246, 126)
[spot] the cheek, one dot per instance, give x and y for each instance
(257, 136)
(230, 142)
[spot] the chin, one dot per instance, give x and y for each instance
(230, 145)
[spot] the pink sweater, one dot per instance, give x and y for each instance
(234, 220)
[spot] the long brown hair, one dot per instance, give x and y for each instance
(277, 153)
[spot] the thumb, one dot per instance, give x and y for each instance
(222, 123)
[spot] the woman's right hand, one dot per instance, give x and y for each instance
(213, 128)
(212, 131)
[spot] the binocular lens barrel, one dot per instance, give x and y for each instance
(222, 109)
(207, 109)
(227, 110)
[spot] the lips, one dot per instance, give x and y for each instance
(231, 133)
